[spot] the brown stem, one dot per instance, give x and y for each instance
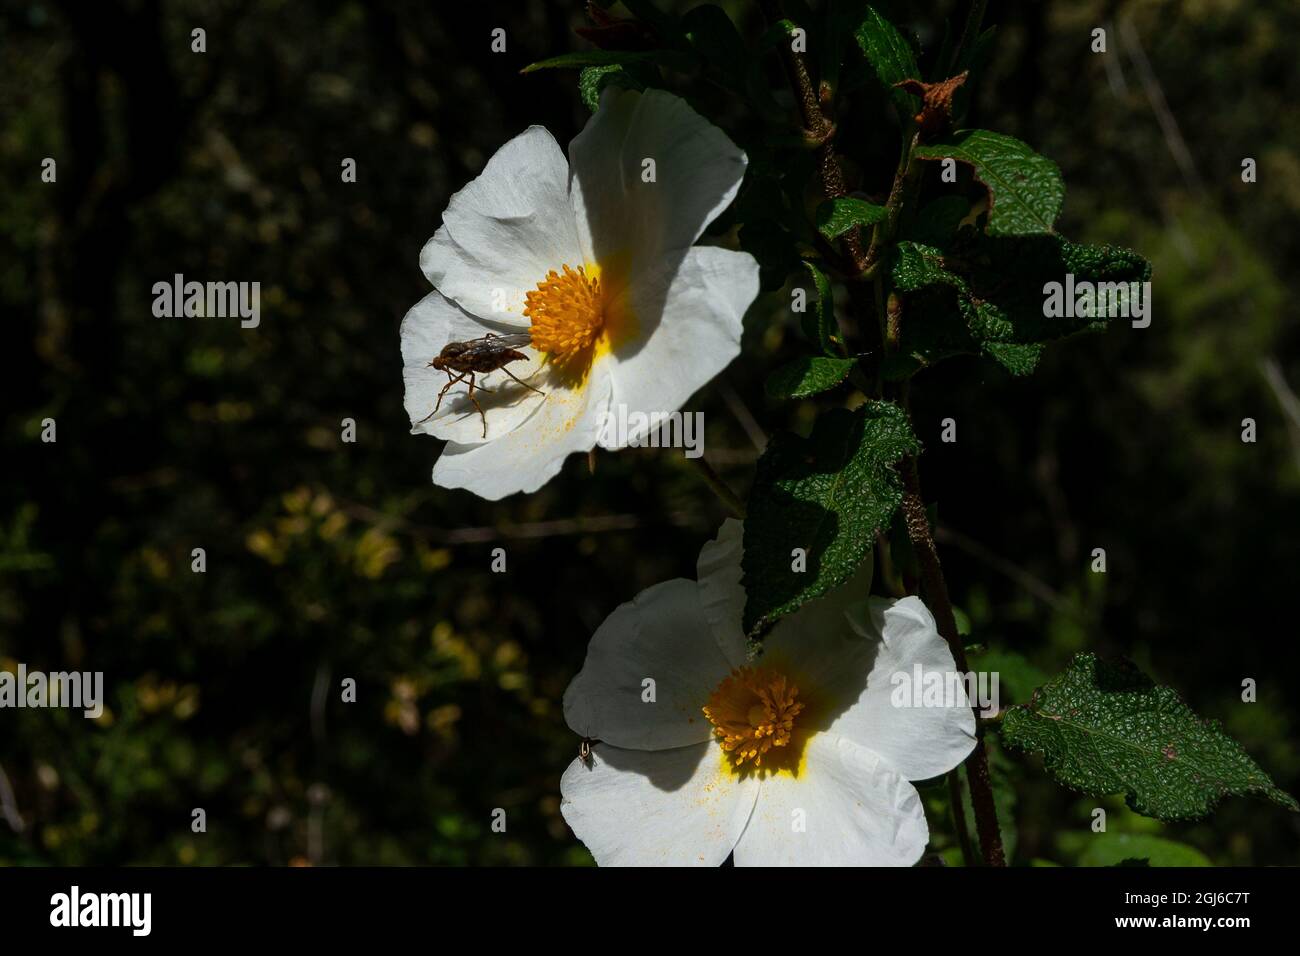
(936, 598)
(819, 128)
(906, 177)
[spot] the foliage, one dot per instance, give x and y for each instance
(1106, 728)
(826, 494)
(329, 561)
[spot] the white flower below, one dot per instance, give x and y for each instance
(797, 758)
(596, 262)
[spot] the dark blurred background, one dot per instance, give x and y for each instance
(328, 560)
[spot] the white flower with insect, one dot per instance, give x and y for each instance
(799, 757)
(588, 275)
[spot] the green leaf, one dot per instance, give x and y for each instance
(986, 296)
(827, 494)
(593, 80)
(837, 216)
(1025, 189)
(917, 267)
(1122, 849)
(1104, 727)
(890, 55)
(819, 323)
(583, 58)
(808, 375)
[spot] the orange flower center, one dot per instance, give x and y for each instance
(567, 312)
(752, 712)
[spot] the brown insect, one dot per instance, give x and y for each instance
(584, 751)
(464, 360)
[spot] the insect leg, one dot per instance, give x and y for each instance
(521, 381)
(476, 404)
(450, 382)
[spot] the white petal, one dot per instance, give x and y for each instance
(626, 222)
(431, 323)
(685, 330)
(663, 635)
(532, 453)
(677, 807)
(722, 597)
(855, 810)
(505, 230)
(919, 739)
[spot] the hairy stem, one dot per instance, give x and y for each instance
(936, 598)
(819, 128)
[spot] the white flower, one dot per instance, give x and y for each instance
(595, 259)
(801, 758)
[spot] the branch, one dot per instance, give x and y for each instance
(936, 598)
(818, 128)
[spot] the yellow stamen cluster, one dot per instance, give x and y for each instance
(753, 711)
(567, 313)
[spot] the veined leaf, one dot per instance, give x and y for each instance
(837, 216)
(890, 56)
(819, 322)
(986, 296)
(593, 80)
(808, 375)
(1104, 727)
(1025, 189)
(827, 494)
